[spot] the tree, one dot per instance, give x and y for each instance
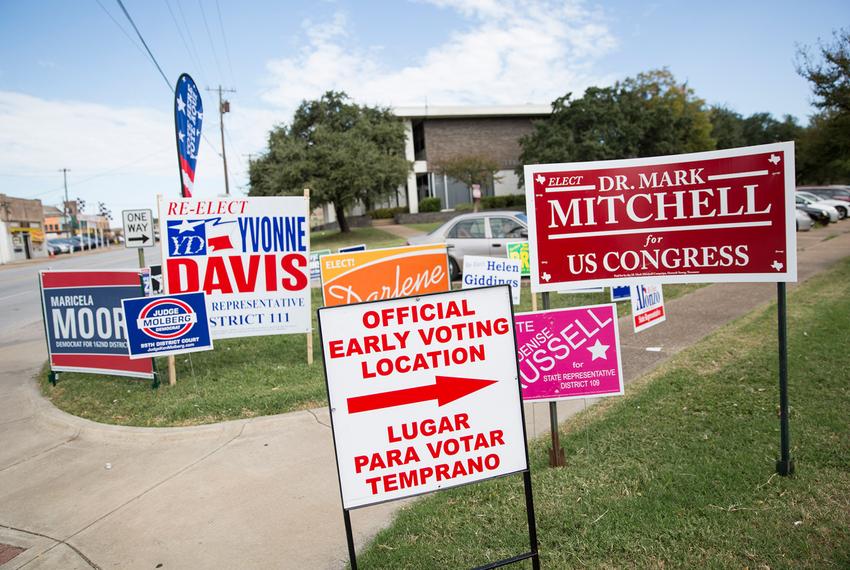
(824, 153)
(727, 127)
(470, 170)
(648, 115)
(345, 153)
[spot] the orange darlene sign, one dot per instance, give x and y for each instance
(384, 273)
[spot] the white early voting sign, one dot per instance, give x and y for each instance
(138, 228)
(424, 393)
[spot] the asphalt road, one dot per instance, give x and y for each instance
(19, 302)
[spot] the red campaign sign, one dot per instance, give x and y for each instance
(693, 218)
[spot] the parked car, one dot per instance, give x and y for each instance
(842, 207)
(804, 221)
(57, 246)
(73, 243)
(835, 192)
(481, 233)
(830, 211)
(818, 215)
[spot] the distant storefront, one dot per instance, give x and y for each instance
(21, 229)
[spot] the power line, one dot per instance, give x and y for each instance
(144, 43)
(212, 43)
(224, 37)
(191, 53)
(120, 27)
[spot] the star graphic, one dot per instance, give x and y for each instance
(181, 135)
(774, 159)
(181, 104)
(777, 266)
(541, 179)
(598, 350)
(187, 226)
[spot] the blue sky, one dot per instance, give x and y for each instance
(78, 92)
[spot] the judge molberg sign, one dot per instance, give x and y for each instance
(704, 217)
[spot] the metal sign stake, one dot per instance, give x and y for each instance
(556, 454)
(785, 465)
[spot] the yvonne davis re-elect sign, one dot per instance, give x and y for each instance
(249, 255)
(724, 215)
(569, 353)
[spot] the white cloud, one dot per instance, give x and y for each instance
(123, 156)
(500, 52)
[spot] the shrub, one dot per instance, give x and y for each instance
(429, 205)
(465, 207)
(387, 213)
(499, 202)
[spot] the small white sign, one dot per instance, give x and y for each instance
(647, 306)
(479, 271)
(138, 228)
(424, 393)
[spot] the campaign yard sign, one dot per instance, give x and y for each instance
(519, 251)
(647, 306)
(384, 273)
(621, 293)
(315, 268)
(171, 324)
(249, 255)
(481, 271)
(724, 215)
(569, 353)
(423, 392)
(350, 248)
(84, 323)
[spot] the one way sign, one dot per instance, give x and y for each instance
(138, 228)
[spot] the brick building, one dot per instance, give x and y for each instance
(21, 229)
(435, 134)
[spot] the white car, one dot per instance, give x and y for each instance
(833, 213)
(840, 205)
(804, 221)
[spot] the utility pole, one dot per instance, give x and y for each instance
(223, 107)
(65, 205)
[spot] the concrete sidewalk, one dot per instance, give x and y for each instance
(244, 494)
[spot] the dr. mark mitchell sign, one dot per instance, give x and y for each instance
(705, 217)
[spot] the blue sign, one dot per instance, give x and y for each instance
(350, 248)
(188, 117)
(620, 293)
(84, 322)
(171, 324)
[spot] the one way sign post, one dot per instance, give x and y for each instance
(424, 395)
(138, 231)
(138, 228)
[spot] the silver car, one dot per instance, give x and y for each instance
(840, 205)
(481, 233)
(804, 221)
(831, 212)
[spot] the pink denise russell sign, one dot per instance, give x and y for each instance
(569, 353)
(724, 215)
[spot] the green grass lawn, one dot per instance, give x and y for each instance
(425, 227)
(679, 473)
(372, 237)
(241, 378)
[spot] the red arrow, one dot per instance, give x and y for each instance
(446, 389)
